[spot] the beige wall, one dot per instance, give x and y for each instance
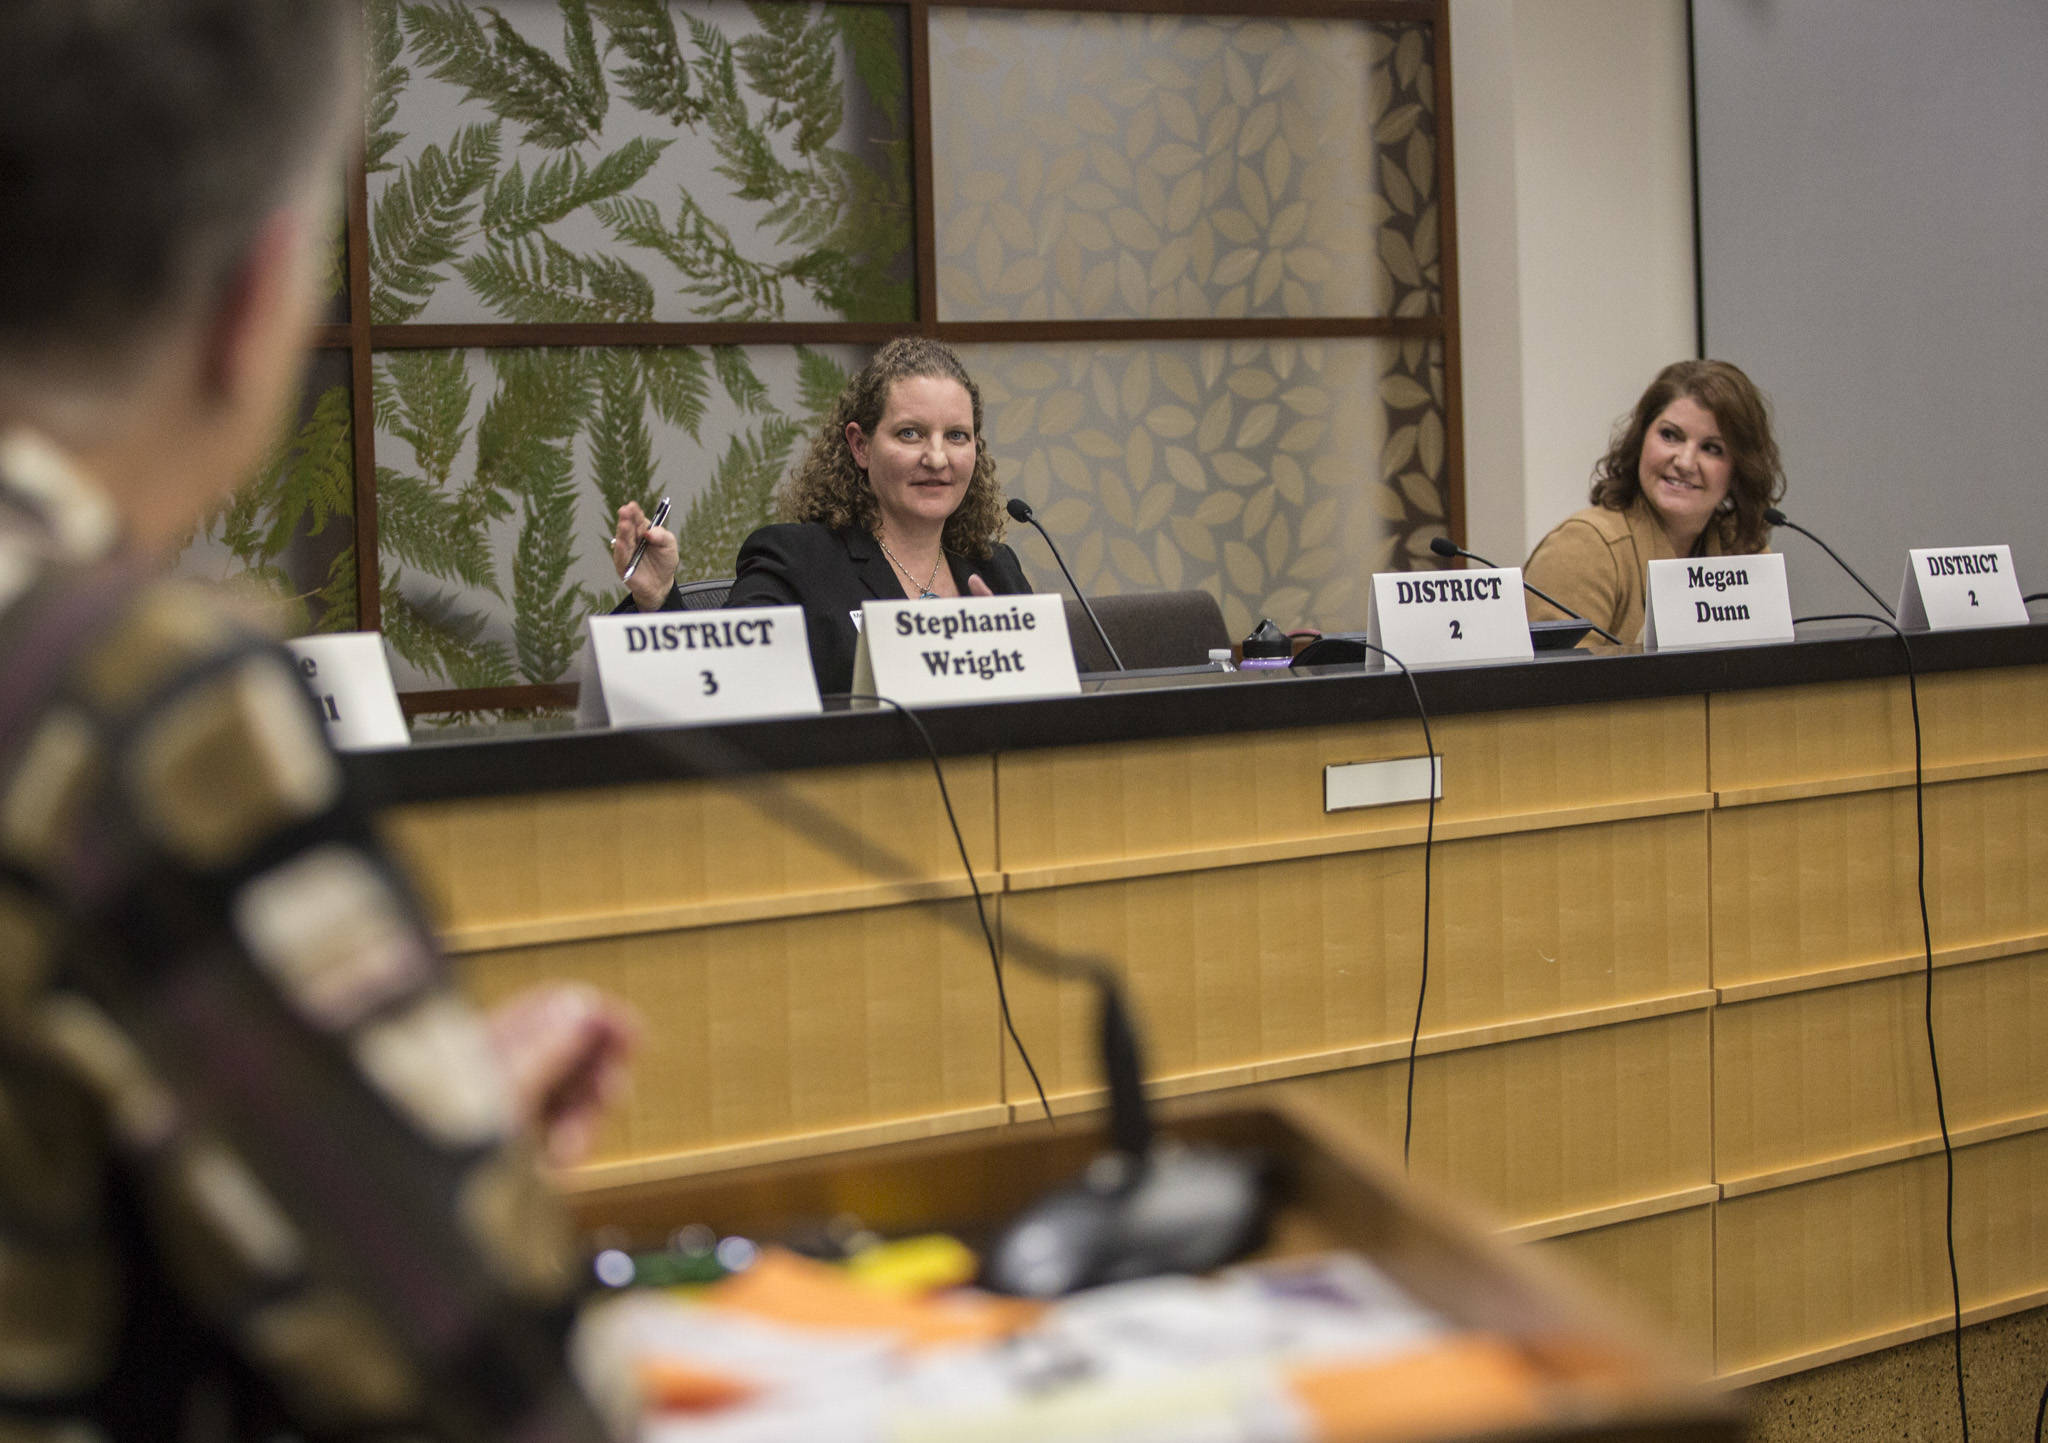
(1573, 128)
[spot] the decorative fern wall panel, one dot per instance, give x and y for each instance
(289, 534)
(1092, 165)
(499, 474)
(633, 160)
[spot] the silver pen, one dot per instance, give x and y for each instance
(660, 515)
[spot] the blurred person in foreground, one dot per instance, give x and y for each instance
(261, 1170)
(1689, 472)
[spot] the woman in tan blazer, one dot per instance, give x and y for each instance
(1690, 472)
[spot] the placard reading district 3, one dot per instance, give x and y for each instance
(350, 678)
(965, 648)
(1949, 587)
(1446, 618)
(702, 666)
(1717, 601)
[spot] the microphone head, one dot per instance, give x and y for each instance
(1019, 509)
(1773, 515)
(1443, 546)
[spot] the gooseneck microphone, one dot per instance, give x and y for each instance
(1020, 510)
(1778, 518)
(1447, 548)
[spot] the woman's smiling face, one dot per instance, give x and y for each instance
(922, 454)
(1685, 470)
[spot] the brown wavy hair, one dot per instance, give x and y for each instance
(1756, 474)
(830, 487)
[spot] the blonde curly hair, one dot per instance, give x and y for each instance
(830, 487)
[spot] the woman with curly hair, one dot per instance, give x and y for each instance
(896, 498)
(1689, 473)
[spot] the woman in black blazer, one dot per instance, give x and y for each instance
(897, 498)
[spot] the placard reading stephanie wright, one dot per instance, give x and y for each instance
(965, 648)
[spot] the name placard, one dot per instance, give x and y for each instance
(1717, 601)
(1447, 618)
(965, 648)
(1948, 587)
(663, 667)
(350, 678)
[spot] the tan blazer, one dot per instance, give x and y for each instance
(1596, 561)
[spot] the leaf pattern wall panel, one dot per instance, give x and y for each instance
(638, 160)
(1129, 166)
(500, 472)
(1249, 469)
(288, 535)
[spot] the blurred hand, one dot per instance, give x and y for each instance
(563, 1047)
(976, 586)
(657, 570)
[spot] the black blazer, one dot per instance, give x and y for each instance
(830, 574)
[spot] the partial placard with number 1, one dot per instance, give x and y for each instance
(666, 667)
(1445, 618)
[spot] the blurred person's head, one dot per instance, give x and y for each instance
(167, 176)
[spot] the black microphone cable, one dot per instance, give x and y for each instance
(1020, 510)
(1778, 518)
(967, 865)
(1428, 853)
(1948, 1155)
(2037, 596)
(1445, 547)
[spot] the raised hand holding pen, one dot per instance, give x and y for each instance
(654, 572)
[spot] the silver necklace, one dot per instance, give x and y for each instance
(924, 592)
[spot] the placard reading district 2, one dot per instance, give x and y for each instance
(1447, 618)
(702, 666)
(966, 648)
(1958, 586)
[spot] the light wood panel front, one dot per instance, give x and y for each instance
(599, 859)
(1661, 1266)
(1190, 795)
(1838, 1071)
(1827, 882)
(1859, 728)
(1235, 965)
(1802, 1270)
(780, 1029)
(1548, 1127)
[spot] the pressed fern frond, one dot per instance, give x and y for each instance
(333, 606)
(737, 500)
(383, 80)
(533, 278)
(586, 71)
(428, 531)
(544, 396)
(422, 397)
(819, 380)
(421, 218)
(736, 374)
(793, 63)
(503, 70)
(435, 635)
(731, 286)
(545, 612)
(621, 448)
(655, 77)
(317, 480)
(516, 205)
(677, 384)
(876, 45)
